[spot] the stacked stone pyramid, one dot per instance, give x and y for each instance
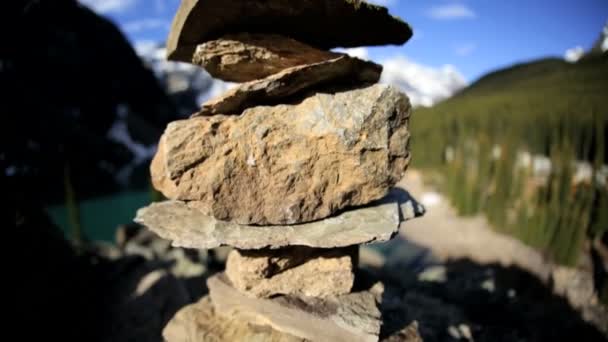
(294, 167)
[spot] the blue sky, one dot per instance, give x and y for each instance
(475, 36)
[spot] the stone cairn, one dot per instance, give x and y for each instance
(294, 167)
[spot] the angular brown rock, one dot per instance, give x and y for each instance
(244, 57)
(288, 163)
(409, 333)
(200, 322)
(322, 23)
(349, 318)
(341, 70)
(299, 271)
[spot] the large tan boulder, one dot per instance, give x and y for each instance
(288, 164)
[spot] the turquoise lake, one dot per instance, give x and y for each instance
(101, 216)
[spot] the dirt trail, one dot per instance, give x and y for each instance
(462, 280)
(449, 236)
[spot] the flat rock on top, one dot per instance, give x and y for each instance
(342, 69)
(244, 57)
(322, 23)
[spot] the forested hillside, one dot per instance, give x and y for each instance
(526, 146)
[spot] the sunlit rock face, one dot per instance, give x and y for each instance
(288, 164)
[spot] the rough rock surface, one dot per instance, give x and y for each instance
(288, 163)
(299, 271)
(244, 57)
(322, 23)
(409, 333)
(188, 227)
(200, 322)
(352, 317)
(342, 70)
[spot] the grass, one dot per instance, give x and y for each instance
(547, 111)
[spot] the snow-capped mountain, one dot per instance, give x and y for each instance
(187, 84)
(191, 85)
(601, 44)
(599, 48)
(424, 85)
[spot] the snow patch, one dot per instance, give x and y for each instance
(430, 199)
(574, 54)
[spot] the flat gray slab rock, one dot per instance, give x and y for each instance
(354, 317)
(321, 23)
(188, 227)
(288, 163)
(244, 57)
(341, 69)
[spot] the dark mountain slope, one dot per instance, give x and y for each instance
(68, 76)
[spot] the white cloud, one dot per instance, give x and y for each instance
(466, 49)
(424, 85)
(383, 2)
(604, 46)
(451, 11)
(109, 6)
(145, 24)
(359, 52)
(149, 49)
(574, 54)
